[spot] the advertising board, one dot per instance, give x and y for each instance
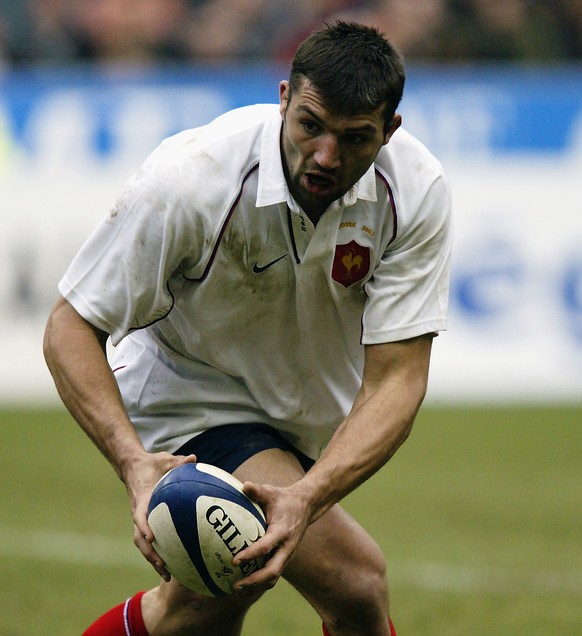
(510, 139)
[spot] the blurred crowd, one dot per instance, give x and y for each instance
(158, 31)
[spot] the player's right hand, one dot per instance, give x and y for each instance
(140, 479)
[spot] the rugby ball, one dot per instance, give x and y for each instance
(201, 519)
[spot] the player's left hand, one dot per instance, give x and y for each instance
(287, 513)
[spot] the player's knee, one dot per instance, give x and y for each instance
(370, 587)
(362, 597)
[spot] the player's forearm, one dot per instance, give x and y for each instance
(360, 447)
(85, 382)
(380, 421)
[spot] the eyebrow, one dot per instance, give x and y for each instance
(356, 129)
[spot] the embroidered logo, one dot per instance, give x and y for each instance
(351, 263)
(258, 269)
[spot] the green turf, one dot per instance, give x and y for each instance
(479, 515)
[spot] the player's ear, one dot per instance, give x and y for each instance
(283, 97)
(394, 126)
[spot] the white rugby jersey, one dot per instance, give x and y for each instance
(227, 305)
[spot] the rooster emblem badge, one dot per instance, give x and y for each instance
(351, 263)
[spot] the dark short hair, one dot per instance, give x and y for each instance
(353, 67)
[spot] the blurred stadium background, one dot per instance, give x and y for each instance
(88, 89)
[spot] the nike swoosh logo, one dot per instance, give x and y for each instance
(261, 268)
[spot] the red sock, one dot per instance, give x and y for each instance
(123, 620)
(392, 629)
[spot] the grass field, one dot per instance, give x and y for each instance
(479, 515)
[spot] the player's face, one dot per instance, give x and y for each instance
(325, 154)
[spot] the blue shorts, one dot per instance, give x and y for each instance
(230, 445)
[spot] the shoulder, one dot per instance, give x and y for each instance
(405, 154)
(243, 126)
(203, 165)
(412, 170)
(419, 189)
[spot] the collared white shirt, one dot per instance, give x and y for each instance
(227, 305)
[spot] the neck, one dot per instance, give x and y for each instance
(314, 215)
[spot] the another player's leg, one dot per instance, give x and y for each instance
(337, 567)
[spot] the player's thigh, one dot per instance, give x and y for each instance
(337, 559)
(273, 466)
(339, 568)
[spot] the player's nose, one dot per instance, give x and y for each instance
(327, 153)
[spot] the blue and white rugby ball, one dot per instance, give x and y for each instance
(201, 519)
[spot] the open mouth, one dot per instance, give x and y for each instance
(318, 183)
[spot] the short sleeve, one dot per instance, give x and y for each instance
(119, 280)
(408, 292)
